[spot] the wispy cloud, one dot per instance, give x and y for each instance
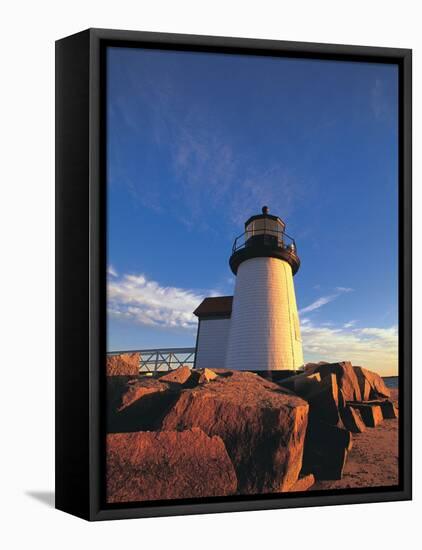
(323, 300)
(111, 271)
(137, 299)
(213, 173)
(344, 289)
(374, 348)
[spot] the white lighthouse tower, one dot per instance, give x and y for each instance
(264, 328)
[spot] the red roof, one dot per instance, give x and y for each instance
(219, 306)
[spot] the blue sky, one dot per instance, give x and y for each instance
(199, 142)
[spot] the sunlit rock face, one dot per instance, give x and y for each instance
(262, 426)
(147, 466)
(124, 364)
(202, 432)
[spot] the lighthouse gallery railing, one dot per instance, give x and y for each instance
(272, 238)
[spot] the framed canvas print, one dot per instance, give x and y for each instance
(233, 274)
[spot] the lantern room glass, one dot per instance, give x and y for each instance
(265, 226)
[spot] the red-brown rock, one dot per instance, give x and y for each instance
(206, 375)
(147, 466)
(377, 385)
(262, 426)
(326, 449)
(364, 385)
(371, 413)
(303, 483)
(322, 394)
(116, 387)
(178, 376)
(136, 389)
(310, 366)
(352, 420)
(346, 378)
(389, 409)
(323, 400)
(137, 404)
(301, 384)
(125, 364)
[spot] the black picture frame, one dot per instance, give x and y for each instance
(81, 270)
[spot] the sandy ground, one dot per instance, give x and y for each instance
(373, 460)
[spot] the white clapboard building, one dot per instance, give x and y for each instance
(257, 328)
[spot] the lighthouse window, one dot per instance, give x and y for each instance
(264, 226)
(273, 228)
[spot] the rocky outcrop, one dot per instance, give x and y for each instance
(388, 409)
(342, 400)
(178, 376)
(136, 389)
(364, 385)
(124, 364)
(148, 466)
(346, 378)
(326, 449)
(116, 387)
(206, 375)
(262, 426)
(267, 433)
(303, 484)
(371, 413)
(352, 419)
(375, 382)
(137, 403)
(323, 399)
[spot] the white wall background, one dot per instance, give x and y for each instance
(212, 343)
(26, 291)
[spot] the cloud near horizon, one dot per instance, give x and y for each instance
(371, 347)
(136, 299)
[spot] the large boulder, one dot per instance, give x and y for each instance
(346, 377)
(301, 384)
(324, 401)
(326, 449)
(116, 387)
(364, 385)
(375, 382)
(352, 420)
(322, 394)
(124, 364)
(137, 404)
(147, 466)
(136, 389)
(262, 426)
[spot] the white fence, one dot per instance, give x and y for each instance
(164, 359)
